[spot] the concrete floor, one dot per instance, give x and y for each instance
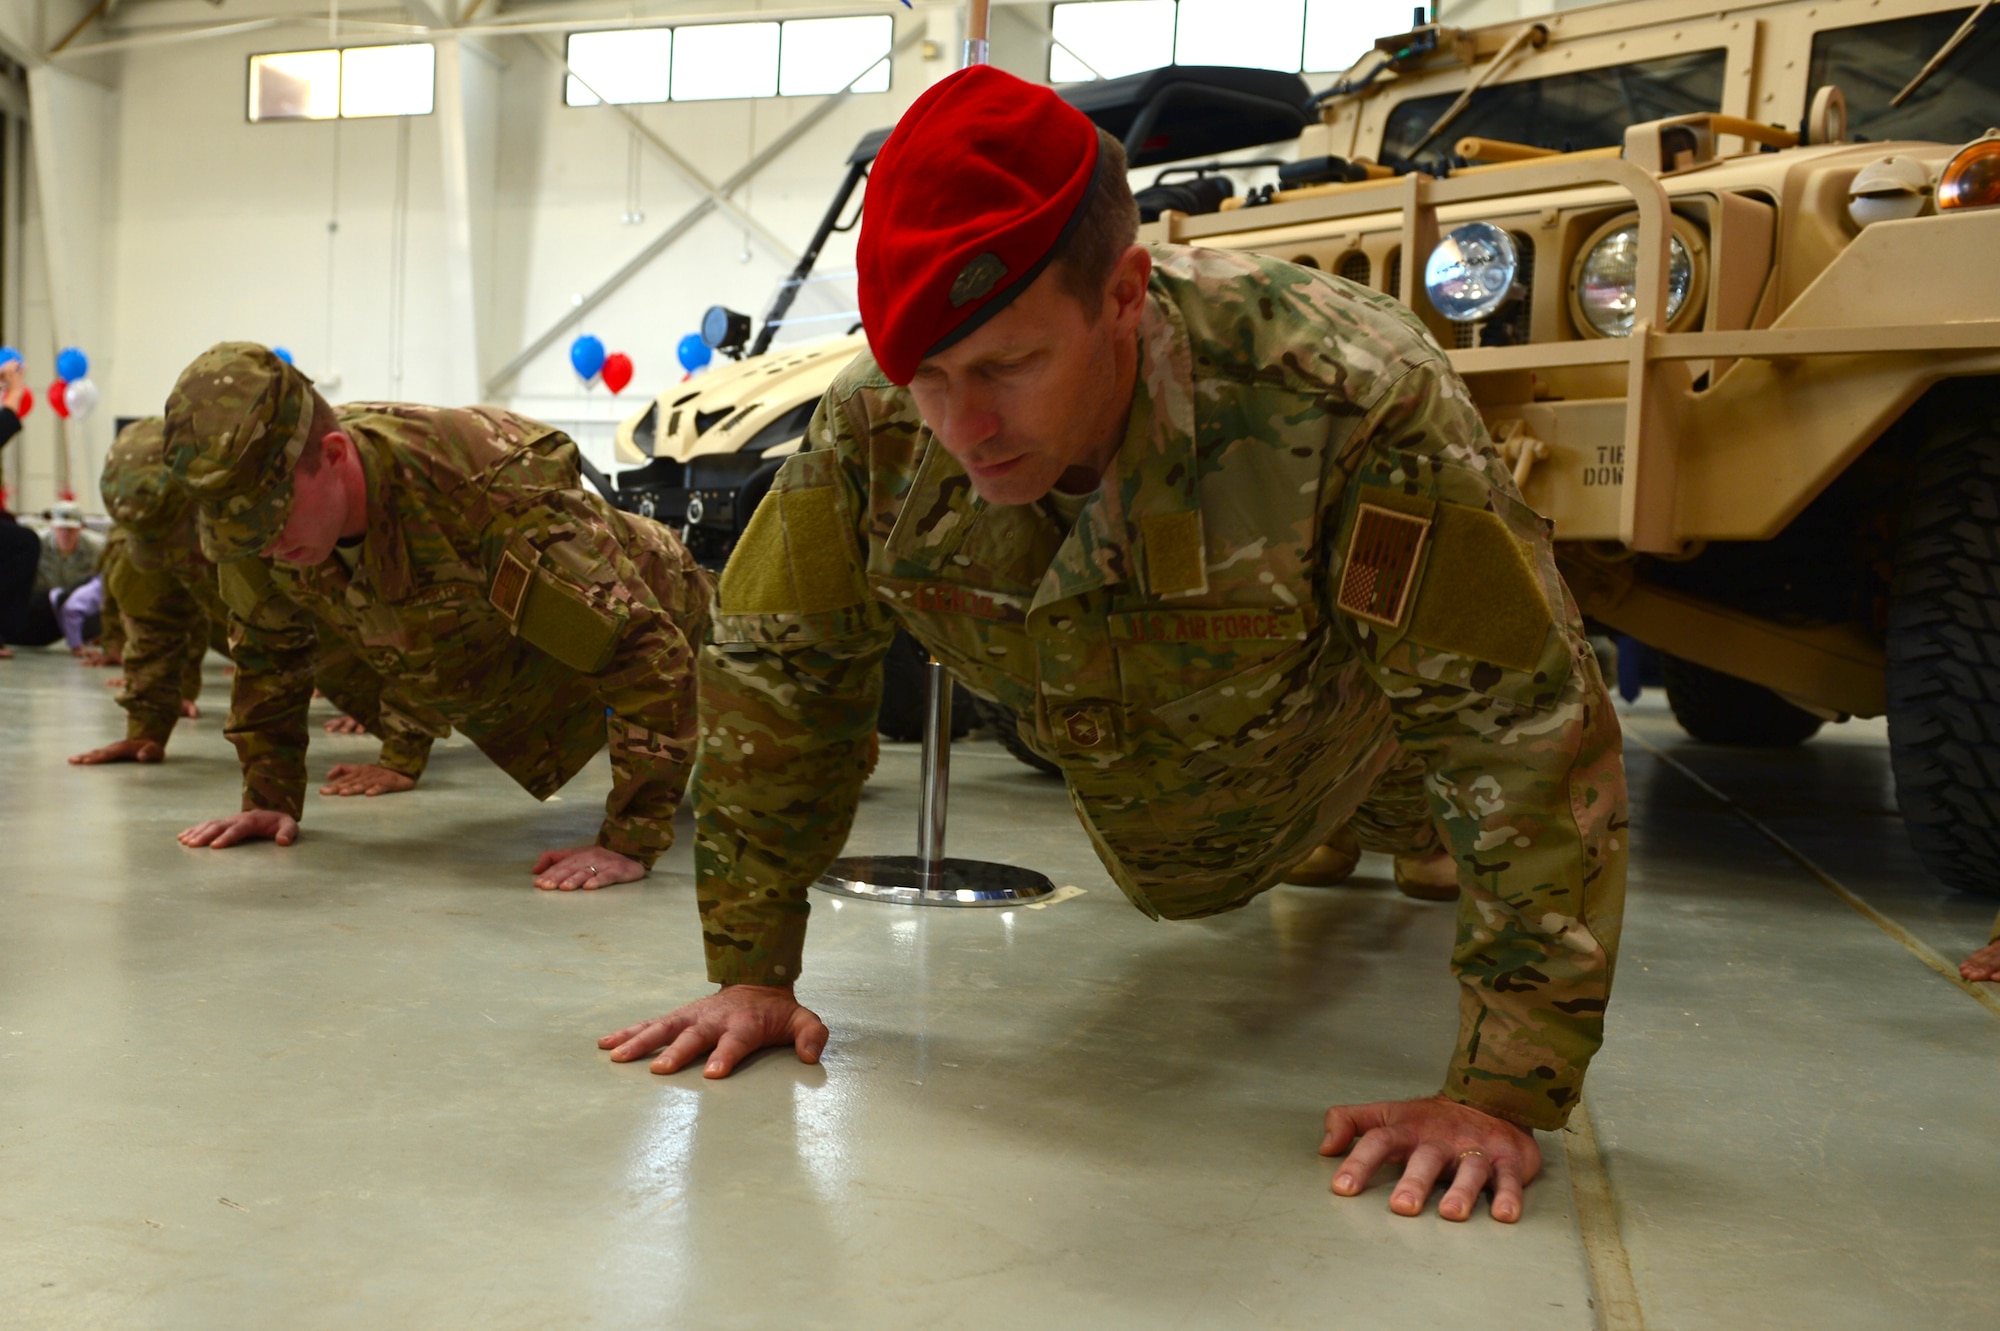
(354, 1083)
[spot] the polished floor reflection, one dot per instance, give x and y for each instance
(353, 1083)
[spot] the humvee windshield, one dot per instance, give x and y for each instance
(1569, 112)
(1871, 63)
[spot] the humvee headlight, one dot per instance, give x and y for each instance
(1471, 272)
(1604, 287)
(1972, 179)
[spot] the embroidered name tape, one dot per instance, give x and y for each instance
(1220, 627)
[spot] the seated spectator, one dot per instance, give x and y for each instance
(67, 559)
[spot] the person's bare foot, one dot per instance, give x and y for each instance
(1432, 877)
(117, 682)
(1983, 965)
(6, 653)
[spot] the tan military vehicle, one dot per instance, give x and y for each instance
(1723, 284)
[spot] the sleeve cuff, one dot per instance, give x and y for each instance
(149, 725)
(1503, 1099)
(636, 839)
(409, 755)
(772, 959)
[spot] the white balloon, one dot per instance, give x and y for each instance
(81, 398)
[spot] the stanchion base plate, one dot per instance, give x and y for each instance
(899, 879)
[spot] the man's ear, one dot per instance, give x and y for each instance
(1126, 292)
(334, 446)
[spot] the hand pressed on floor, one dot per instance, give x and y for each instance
(582, 868)
(1983, 964)
(1431, 1138)
(345, 725)
(733, 1022)
(365, 779)
(254, 825)
(124, 751)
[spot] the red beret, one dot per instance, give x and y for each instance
(974, 191)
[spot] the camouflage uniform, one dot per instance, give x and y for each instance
(111, 639)
(170, 598)
(529, 613)
(1304, 556)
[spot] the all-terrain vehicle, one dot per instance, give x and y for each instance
(1721, 282)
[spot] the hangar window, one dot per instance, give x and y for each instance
(357, 83)
(624, 67)
(821, 55)
(711, 61)
(716, 60)
(1109, 38)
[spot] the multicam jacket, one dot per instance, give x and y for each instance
(528, 613)
(169, 598)
(1304, 553)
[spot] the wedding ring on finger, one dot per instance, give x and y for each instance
(1474, 1151)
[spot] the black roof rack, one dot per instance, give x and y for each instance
(1181, 111)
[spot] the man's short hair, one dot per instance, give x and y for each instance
(1107, 226)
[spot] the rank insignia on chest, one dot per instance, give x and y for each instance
(1086, 725)
(1381, 564)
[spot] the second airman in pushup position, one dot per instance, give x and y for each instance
(456, 551)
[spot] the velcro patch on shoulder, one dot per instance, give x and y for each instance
(1481, 597)
(794, 559)
(557, 619)
(1381, 565)
(510, 585)
(1176, 563)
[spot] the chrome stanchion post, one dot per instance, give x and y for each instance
(928, 878)
(935, 791)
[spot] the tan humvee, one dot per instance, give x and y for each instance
(1746, 362)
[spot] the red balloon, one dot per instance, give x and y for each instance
(59, 398)
(27, 402)
(617, 372)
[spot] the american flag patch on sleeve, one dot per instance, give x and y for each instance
(1381, 564)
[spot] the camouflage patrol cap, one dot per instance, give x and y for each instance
(236, 423)
(139, 492)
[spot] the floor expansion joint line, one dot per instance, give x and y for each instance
(1916, 946)
(1617, 1296)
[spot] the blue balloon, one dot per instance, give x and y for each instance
(72, 365)
(587, 355)
(9, 354)
(694, 352)
(283, 355)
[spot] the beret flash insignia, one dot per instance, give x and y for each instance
(977, 279)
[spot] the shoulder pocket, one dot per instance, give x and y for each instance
(797, 556)
(554, 617)
(1480, 595)
(245, 584)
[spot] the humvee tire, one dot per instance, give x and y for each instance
(905, 695)
(1721, 709)
(1944, 648)
(1003, 721)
